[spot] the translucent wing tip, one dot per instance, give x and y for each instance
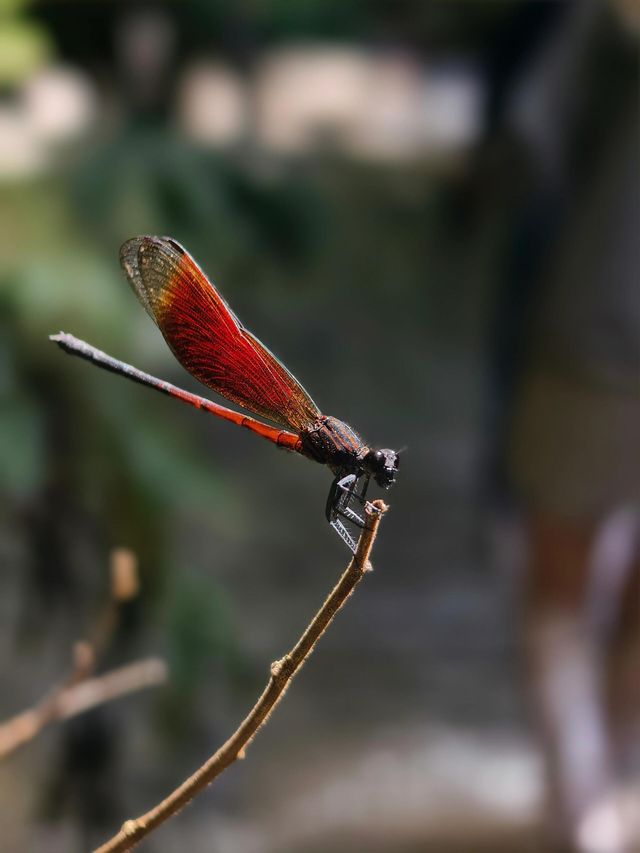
(130, 253)
(130, 263)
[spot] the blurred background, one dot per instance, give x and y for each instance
(430, 211)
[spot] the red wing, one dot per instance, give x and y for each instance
(207, 338)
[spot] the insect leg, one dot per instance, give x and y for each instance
(344, 491)
(339, 494)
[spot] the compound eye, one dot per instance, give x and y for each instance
(378, 456)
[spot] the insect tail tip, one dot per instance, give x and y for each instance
(62, 339)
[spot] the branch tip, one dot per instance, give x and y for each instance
(376, 508)
(281, 673)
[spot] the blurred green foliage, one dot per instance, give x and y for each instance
(25, 46)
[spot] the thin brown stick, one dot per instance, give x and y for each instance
(78, 697)
(282, 671)
(27, 724)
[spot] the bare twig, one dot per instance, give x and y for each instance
(124, 585)
(57, 703)
(149, 672)
(282, 671)
(74, 699)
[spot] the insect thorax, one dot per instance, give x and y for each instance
(332, 442)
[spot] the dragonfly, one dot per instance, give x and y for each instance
(211, 343)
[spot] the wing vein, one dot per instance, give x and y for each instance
(206, 336)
